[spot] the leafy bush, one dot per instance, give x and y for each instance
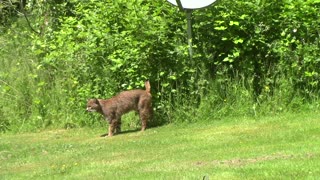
(250, 58)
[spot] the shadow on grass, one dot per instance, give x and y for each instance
(155, 122)
(123, 132)
(128, 131)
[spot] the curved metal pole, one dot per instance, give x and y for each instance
(179, 5)
(189, 26)
(189, 31)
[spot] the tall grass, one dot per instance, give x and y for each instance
(17, 80)
(233, 97)
(34, 97)
(31, 97)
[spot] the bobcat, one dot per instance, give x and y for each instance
(112, 109)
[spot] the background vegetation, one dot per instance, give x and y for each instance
(251, 57)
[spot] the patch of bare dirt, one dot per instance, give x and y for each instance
(238, 162)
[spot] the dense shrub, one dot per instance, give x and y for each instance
(250, 57)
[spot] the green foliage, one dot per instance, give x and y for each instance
(17, 81)
(105, 49)
(299, 46)
(8, 13)
(250, 57)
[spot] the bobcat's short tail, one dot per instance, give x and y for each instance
(147, 85)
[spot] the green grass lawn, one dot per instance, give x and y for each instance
(282, 147)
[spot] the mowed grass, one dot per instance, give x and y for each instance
(282, 147)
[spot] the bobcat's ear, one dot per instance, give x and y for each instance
(96, 101)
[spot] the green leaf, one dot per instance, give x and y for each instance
(220, 28)
(224, 39)
(243, 16)
(228, 59)
(236, 54)
(237, 41)
(234, 23)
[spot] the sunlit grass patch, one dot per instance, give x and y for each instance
(268, 147)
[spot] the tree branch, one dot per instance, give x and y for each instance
(25, 15)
